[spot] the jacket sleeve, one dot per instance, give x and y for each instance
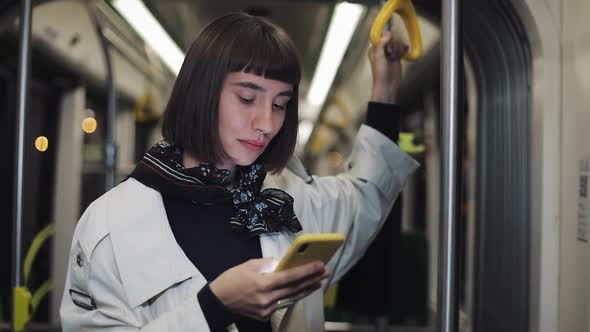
(356, 202)
(94, 298)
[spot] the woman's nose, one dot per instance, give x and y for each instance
(263, 120)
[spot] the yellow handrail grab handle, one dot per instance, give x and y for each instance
(406, 143)
(38, 241)
(406, 10)
(22, 308)
(39, 294)
(25, 303)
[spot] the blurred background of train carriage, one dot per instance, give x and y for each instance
(523, 205)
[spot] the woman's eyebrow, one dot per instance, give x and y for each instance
(250, 85)
(288, 93)
(256, 87)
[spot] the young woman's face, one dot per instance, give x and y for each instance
(251, 112)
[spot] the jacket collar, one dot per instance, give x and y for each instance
(295, 165)
(148, 257)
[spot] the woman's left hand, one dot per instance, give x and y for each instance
(385, 58)
(245, 289)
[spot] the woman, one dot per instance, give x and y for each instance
(188, 242)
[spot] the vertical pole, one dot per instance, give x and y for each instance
(110, 146)
(382, 322)
(450, 92)
(110, 155)
(111, 122)
(24, 74)
(23, 105)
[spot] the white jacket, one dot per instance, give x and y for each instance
(127, 272)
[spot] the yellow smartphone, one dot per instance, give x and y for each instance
(311, 247)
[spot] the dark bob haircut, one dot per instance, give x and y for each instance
(233, 43)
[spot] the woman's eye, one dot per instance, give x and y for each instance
(246, 100)
(280, 107)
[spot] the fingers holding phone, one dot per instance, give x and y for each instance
(296, 283)
(245, 290)
(248, 289)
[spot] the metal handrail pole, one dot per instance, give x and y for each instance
(24, 74)
(450, 103)
(110, 146)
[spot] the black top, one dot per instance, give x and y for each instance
(205, 236)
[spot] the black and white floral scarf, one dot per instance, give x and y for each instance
(255, 211)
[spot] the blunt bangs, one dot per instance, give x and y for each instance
(264, 50)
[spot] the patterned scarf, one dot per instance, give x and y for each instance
(255, 211)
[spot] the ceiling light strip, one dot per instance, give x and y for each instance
(344, 21)
(150, 30)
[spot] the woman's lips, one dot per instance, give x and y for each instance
(252, 145)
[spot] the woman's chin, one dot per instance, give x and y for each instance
(245, 161)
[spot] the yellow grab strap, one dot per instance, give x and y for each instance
(407, 12)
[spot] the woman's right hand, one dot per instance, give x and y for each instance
(245, 289)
